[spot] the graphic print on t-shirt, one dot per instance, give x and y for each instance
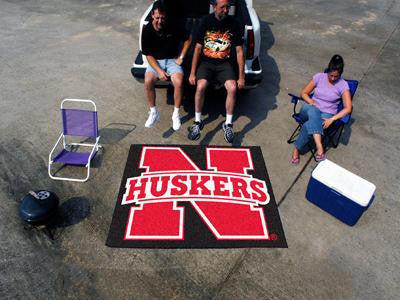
(217, 44)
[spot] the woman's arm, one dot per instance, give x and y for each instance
(306, 91)
(346, 109)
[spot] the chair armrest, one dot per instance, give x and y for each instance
(52, 150)
(295, 99)
(345, 119)
(95, 147)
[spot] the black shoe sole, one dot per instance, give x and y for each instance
(230, 142)
(195, 139)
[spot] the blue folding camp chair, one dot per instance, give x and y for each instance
(77, 123)
(333, 133)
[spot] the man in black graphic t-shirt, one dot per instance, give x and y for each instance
(160, 44)
(218, 35)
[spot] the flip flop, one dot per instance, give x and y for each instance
(320, 157)
(295, 160)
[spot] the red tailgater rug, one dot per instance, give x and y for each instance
(195, 197)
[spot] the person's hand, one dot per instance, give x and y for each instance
(192, 79)
(163, 75)
(240, 83)
(327, 122)
(179, 61)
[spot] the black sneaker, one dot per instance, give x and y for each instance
(228, 132)
(194, 130)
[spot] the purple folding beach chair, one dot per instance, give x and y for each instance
(77, 123)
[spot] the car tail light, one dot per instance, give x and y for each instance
(250, 44)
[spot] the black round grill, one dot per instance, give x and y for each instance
(38, 207)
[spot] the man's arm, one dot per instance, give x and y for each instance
(185, 49)
(154, 64)
(147, 50)
(195, 62)
(240, 61)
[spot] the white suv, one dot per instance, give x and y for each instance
(190, 12)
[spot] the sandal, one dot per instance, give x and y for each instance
(295, 160)
(320, 157)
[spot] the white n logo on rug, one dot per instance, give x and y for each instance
(227, 220)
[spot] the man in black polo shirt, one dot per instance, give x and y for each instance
(217, 36)
(160, 44)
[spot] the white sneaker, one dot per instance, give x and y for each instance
(152, 119)
(176, 121)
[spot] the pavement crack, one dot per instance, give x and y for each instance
(375, 59)
(236, 266)
(371, 65)
(295, 181)
(241, 258)
(390, 7)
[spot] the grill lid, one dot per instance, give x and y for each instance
(38, 206)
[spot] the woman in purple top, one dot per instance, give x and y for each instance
(321, 110)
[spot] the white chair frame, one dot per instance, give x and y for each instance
(95, 147)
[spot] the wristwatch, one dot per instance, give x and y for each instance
(181, 57)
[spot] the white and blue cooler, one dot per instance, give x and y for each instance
(339, 192)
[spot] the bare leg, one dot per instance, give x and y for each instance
(295, 153)
(199, 96)
(230, 86)
(149, 82)
(318, 143)
(177, 81)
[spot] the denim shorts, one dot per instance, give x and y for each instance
(168, 65)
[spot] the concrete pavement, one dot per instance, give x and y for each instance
(84, 49)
